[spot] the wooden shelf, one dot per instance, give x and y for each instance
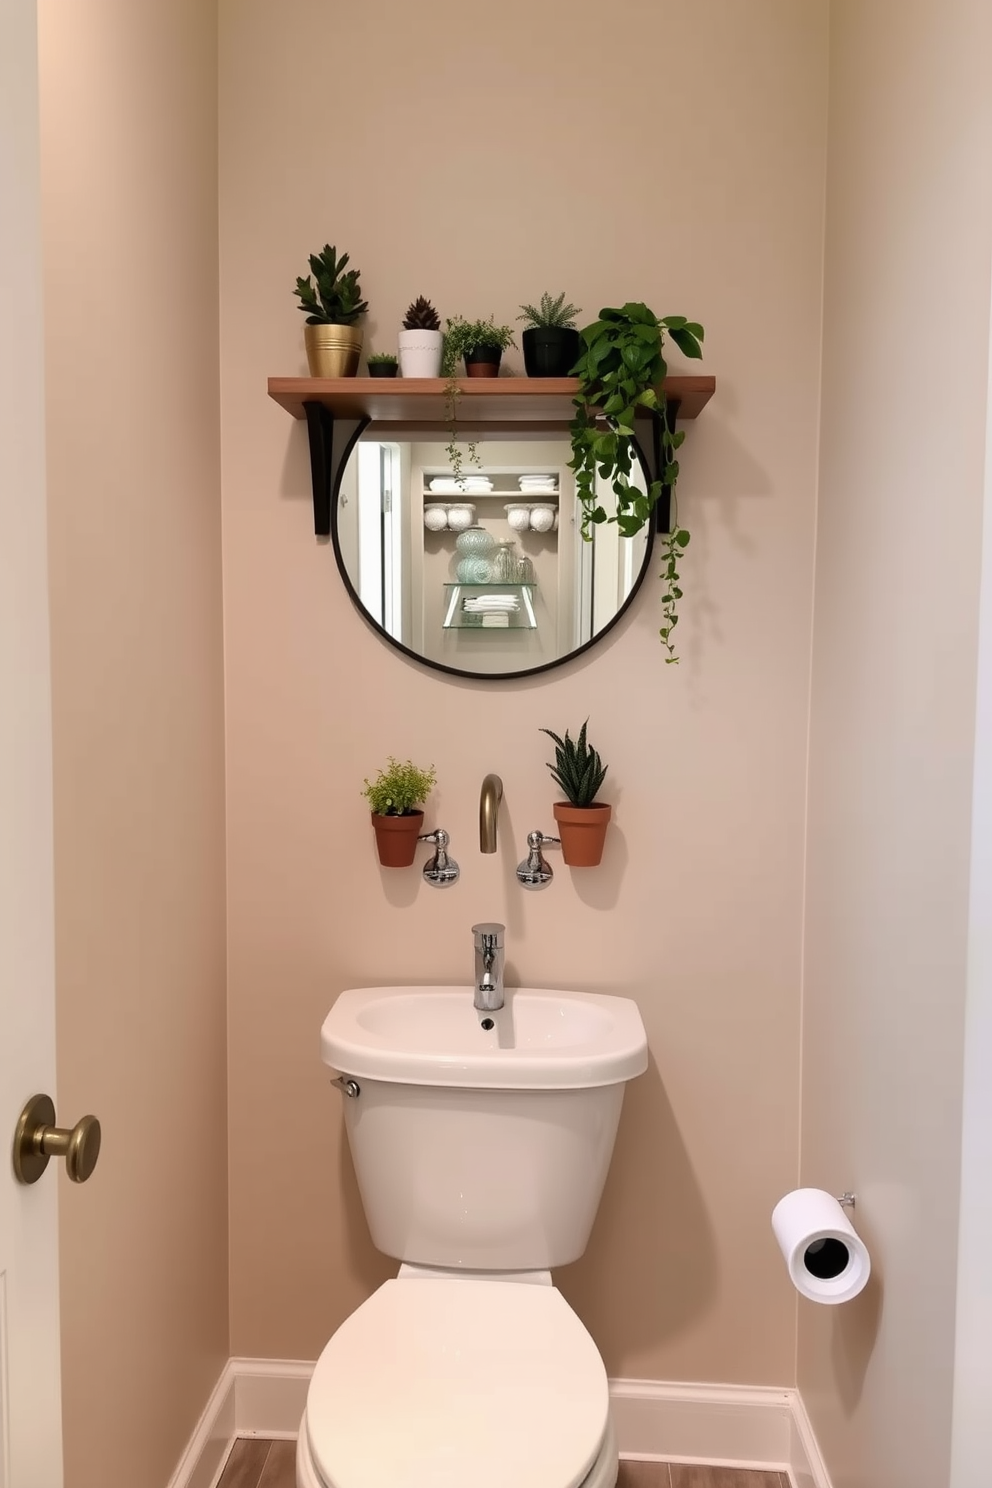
(338, 410)
(414, 400)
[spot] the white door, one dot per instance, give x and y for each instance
(30, 1422)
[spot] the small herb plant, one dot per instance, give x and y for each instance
(382, 359)
(461, 336)
(621, 369)
(421, 316)
(578, 768)
(399, 789)
(335, 298)
(553, 314)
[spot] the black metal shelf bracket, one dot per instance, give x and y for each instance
(331, 443)
(652, 452)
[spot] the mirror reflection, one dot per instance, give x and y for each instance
(486, 576)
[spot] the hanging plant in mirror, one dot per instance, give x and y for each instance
(622, 368)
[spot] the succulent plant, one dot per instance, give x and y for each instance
(421, 316)
(381, 359)
(578, 768)
(336, 297)
(550, 313)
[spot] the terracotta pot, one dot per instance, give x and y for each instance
(582, 830)
(396, 838)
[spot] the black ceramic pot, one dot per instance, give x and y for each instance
(550, 351)
(383, 369)
(483, 361)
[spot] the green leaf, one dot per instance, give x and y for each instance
(687, 343)
(681, 537)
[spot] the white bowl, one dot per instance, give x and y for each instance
(435, 517)
(461, 515)
(518, 516)
(542, 518)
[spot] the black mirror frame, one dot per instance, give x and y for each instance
(440, 666)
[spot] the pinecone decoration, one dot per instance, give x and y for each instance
(421, 316)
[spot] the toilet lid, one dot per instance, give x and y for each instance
(458, 1384)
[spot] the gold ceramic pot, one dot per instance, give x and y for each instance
(332, 350)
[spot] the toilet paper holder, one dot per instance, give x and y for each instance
(827, 1261)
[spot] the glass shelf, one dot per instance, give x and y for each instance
(456, 617)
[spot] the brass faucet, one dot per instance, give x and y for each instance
(492, 794)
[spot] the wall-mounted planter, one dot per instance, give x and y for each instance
(396, 838)
(582, 830)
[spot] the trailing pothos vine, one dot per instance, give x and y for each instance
(621, 369)
(462, 337)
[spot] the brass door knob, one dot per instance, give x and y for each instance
(37, 1139)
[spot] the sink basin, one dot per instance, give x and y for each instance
(539, 1040)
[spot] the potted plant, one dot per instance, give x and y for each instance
(479, 342)
(332, 303)
(582, 820)
(397, 818)
(551, 341)
(621, 368)
(383, 364)
(421, 341)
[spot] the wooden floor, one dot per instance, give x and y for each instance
(265, 1464)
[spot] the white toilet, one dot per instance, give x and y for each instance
(481, 1158)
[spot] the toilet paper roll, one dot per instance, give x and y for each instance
(827, 1259)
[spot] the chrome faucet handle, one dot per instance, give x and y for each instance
(535, 872)
(440, 871)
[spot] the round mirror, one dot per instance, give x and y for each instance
(486, 574)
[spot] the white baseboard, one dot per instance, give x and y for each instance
(733, 1426)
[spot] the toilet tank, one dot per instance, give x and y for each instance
(491, 1180)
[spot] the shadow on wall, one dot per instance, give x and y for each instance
(855, 1329)
(651, 1222)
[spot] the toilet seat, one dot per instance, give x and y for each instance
(439, 1384)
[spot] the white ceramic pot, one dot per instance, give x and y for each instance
(542, 518)
(461, 516)
(518, 516)
(435, 517)
(420, 353)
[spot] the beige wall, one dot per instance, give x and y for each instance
(673, 153)
(909, 246)
(129, 186)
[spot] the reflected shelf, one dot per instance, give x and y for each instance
(459, 613)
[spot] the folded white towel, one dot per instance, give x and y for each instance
(496, 622)
(468, 485)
